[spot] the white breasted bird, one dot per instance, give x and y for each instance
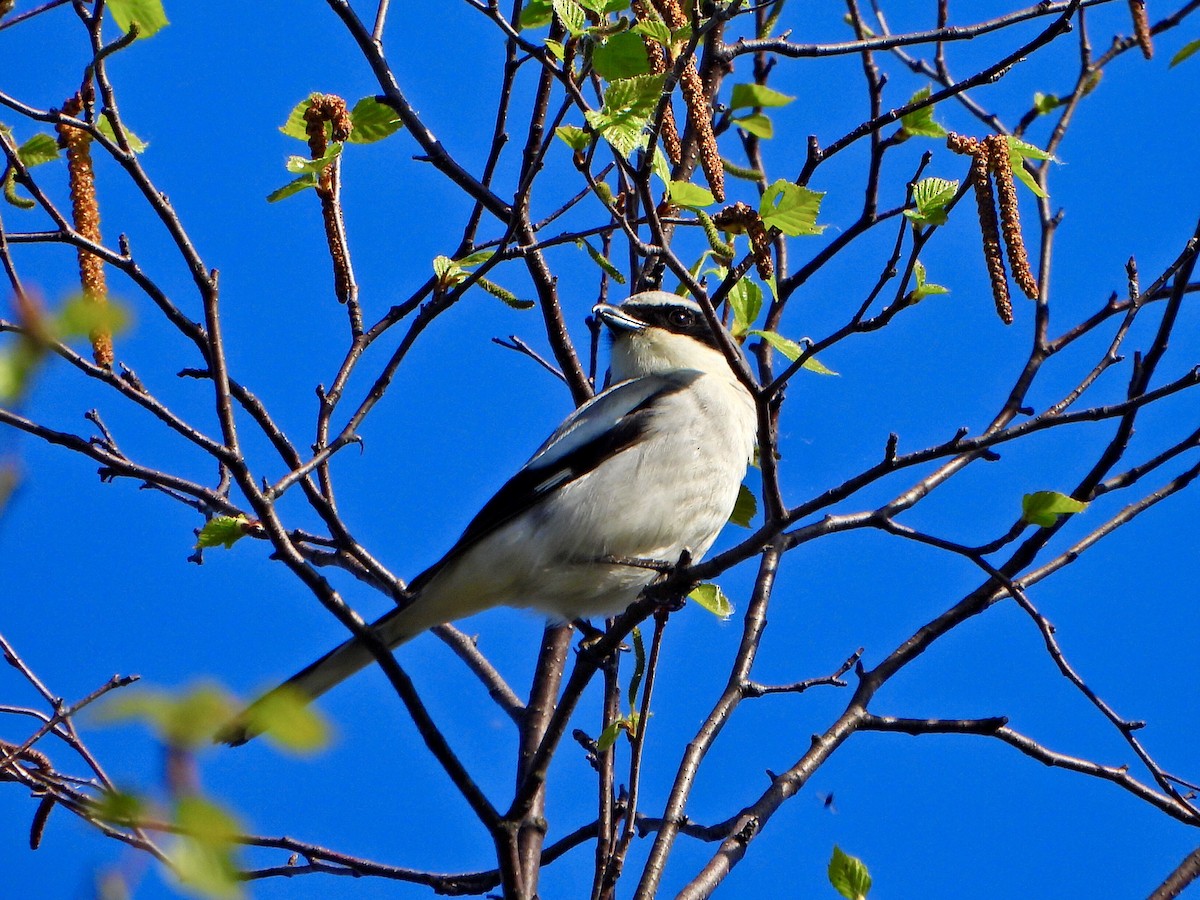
(644, 471)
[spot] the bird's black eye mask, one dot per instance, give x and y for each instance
(675, 319)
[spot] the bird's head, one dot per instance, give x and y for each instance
(656, 332)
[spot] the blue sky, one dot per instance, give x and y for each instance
(98, 582)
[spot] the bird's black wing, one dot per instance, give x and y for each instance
(601, 428)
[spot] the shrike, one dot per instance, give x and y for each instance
(642, 472)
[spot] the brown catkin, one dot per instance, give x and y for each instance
(741, 217)
(330, 108)
(1010, 219)
(85, 215)
(656, 53)
(1141, 27)
(699, 109)
(986, 203)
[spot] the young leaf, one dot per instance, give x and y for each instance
(609, 735)
(919, 122)
(295, 125)
(712, 598)
(1045, 103)
(745, 509)
(792, 351)
(302, 165)
(791, 208)
(41, 148)
(136, 144)
(1018, 152)
(848, 875)
(186, 720)
(746, 300)
(79, 317)
(599, 259)
(1044, 507)
(222, 531)
(288, 719)
(621, 56)
(923, 289)
(754, 95)
(204, 855)
(575, 138)
(756, 124)
(295, 186)
(628, 105)
(572, 16)
(683, 193)
(147, 15)
(471, 260)
(655, 30)
(1187, 50)
(931, 195)
(372, 121)
(536, 13)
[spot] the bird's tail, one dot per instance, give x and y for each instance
(393, 629)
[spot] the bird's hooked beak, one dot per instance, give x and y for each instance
(614, 318)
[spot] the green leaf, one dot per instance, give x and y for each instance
(792, 351)
(287, 718)
(136, 144)
(848, 875)
(536, 13)
(1045, 103)
(745, 509)
(746, 300)
(1018, 152)
(755, 95)
(1187, 50)
(756, 124)
(683, 193)
(16, 366)
(628, 105)
(923, 289)
(118, 806)
(602, 261)
(204, 855)
(609, 735)
(712, 598)
(295, 125)
(147, 15)
(80, 316)
(621, 56)
(222, 531)
(372, 121)
(557, 50)
(791, 208)
(295, 186)
(187, 720)
(572, 16)
(920, 123)
(654, 29)
(1044, 507)
(574, 137)
(931, 195)
(505, 295)
(302, 165)
(41, 148)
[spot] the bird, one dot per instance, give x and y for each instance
(642, 475)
